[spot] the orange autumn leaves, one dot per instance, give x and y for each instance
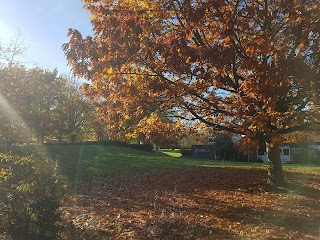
(207, 203)
(248, 68)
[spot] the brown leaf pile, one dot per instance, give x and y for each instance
(195, 203)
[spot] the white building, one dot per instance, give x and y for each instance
(287, 151)
(285, 154)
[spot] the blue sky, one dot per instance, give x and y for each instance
(44, 25)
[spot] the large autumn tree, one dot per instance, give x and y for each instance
(238, 66)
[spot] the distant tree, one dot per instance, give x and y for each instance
(12, 127)
(72, 113)
(244, 67)
(222, 146)
(36, 103)
(9, 51)
(30, 95)
(44, 97)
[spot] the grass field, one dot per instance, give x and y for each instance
(91, 161)
(121, 193)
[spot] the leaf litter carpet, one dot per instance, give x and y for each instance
(193, 203)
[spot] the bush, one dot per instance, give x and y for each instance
(305, 156)
(222, 147)
(186, 152)
(30, 192)
(25, 150)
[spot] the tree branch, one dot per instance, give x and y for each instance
(211, 124)
(303, 127)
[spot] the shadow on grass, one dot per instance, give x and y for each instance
(304, 184)
(294, 222)
(305, 191)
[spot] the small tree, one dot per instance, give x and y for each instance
(222, 146)
(72, 114)
(10, 51)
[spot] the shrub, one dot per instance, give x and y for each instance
(25, 150)
(305, 156)
(186, 152)
(30, 192)
(222, 147)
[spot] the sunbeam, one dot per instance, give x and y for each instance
(9, 113)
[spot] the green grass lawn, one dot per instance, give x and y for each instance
(172, 152)
(89, 161)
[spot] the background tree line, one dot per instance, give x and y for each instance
(39, 105)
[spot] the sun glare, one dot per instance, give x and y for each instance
(5, 33)
(10, 113)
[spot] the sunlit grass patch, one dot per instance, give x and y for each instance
(171, 152)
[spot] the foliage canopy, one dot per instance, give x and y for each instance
(245, 67)
(248, 67)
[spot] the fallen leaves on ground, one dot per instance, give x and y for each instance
(195, 203)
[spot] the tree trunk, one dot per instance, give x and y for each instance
(73, 137)
(275, 172)
(42, 137)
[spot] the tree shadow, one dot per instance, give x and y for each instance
(138, 192)
(177, 229)
(302, 224)
(305, 191)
